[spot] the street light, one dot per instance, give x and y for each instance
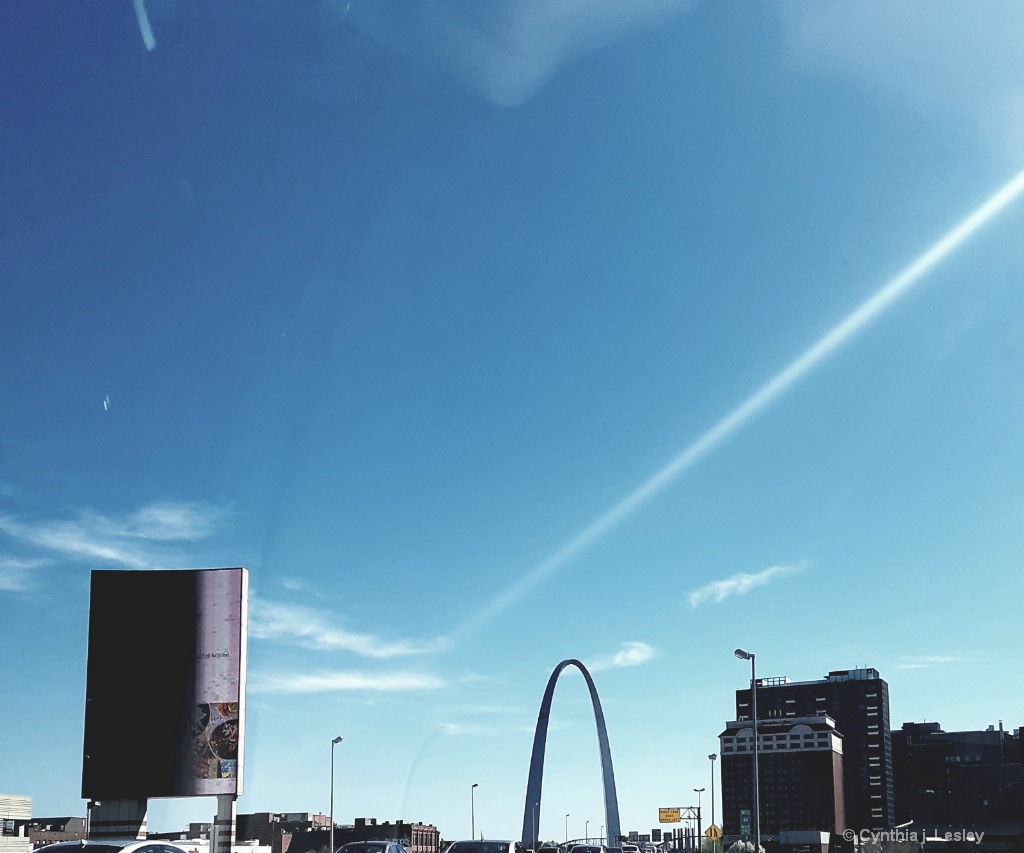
(567, 829)
(334, 743)
(700, 838)
(472, 810)
(712, 758)
(745, 655)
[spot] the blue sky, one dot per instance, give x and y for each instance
(400, 306)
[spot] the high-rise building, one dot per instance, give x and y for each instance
(800, 769)
(857, 700)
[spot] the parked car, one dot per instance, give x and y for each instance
(486, 847)
(112, 846)
(372, 847)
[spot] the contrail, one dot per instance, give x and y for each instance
(858, 319)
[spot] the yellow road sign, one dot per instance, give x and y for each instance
(713, 832)
(668, 816)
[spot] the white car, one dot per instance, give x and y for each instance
(113, 845)
(486, 847)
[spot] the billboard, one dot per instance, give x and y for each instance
(165, 684)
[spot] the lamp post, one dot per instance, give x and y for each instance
(567, 829)
(700, 838)
(472, 810)
(586, 831)
(745, 655)
(334, 743)
(711, 758)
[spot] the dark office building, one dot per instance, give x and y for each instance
(800, 767)
(972, 778)
(858, 701)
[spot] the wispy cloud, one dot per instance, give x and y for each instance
(738, 584)
(331, 682)
(136, 540)
(632, 653)
(926, 661)
(313, 629)
(16, 575)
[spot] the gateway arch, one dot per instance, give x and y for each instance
(531, 815)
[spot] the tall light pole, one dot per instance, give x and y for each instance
(567, 829)
(711, 758)
(472, 810)
(586, 831)
(745, 655)
(334, 743)
(700, 838)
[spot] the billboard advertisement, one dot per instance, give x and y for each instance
(165, 683)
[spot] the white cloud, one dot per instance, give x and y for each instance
(16, 575)
(313, 629)
(136, 540)
(330, 682)
(173, 521)
(632, 653)
(739, 584)
(78, 540)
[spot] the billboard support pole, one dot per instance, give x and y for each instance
(224, 824)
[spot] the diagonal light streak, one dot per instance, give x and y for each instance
(145, 29)
(829, 343)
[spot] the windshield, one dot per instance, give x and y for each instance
(492, 337)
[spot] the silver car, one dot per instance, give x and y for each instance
(486, 847)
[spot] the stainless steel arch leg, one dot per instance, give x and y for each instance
(531, 814)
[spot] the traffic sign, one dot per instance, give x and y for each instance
(668, 816)
(713, 832)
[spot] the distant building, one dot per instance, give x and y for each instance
(415, 837)
(305, 833)
(967, 778)
(50, 830)
(858, 701)
(15, 813)
(800, 768)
